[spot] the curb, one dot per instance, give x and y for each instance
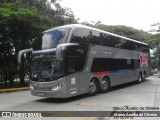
(14, 89)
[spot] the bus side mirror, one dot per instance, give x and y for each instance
(60, 49)
(22, 52)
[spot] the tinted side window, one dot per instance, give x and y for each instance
(145, 49)
(109, 41)
(95, 38)
(72, 64)
(142, 48)
(128, 45)
(118, 42)
(81, 35)
(79, 52)
(137, 47)
(108, 64)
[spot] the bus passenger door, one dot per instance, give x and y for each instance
(72, 66)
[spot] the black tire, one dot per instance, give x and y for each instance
(140, 78)
(144, 76)
(105, 86)
(93, 87)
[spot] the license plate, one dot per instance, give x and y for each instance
(41, 94)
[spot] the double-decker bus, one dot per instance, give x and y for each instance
(77, 59)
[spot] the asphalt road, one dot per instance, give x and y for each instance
(146, 94)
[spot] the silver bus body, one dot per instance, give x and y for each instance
(92, 60)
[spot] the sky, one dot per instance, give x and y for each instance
(139, 14)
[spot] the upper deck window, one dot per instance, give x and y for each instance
(52, 38)
(89, 36)
(81, 35)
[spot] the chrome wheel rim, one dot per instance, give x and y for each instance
(92, 87)
(104, 84)
(140, 78)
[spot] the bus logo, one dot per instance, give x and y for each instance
(106, 51)
(41, 85)
(143, 59)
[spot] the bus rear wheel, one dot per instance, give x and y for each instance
(105, 86)
(144, 76)
(140, 78)
(93, 87)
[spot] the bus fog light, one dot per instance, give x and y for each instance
(31, 87)
(55, 88)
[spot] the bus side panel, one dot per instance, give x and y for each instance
(117, 59)
(72, 84)
(84, 82)
(121, 75)
(85, 76)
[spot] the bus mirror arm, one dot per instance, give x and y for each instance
(61, 47)
(22, 52)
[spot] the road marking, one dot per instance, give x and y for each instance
(87, 103)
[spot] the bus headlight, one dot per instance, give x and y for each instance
(31, 87)
(55, 88)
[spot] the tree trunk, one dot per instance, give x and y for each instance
(5, 81)
(11, 82)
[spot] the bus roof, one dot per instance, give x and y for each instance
(91, 28)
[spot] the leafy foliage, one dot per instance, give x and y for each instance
(155, 40)
(22, 22)
(19, 27)
(125, 31)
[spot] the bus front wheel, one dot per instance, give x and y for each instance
(93, 87)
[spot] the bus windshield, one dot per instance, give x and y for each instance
(53, 37)
(45, 66)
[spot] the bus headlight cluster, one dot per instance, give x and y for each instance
(31, 87)
(57, 87)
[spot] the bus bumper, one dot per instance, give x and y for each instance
(55, 89)
(154, 71)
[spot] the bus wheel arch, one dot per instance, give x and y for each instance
(94, 86)
(105, 84)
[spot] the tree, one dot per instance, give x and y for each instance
(19, 27)
(22, 22)
(155, 40)
(50, 11)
